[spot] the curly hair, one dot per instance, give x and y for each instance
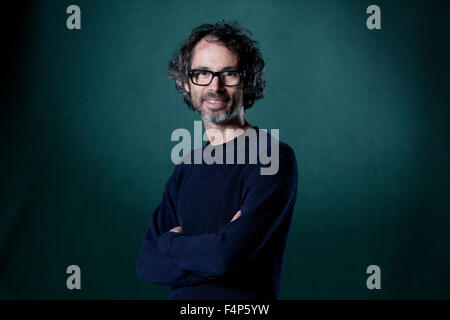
(235, 38)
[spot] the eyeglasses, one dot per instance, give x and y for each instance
(229, 78)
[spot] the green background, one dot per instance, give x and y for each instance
(87, 116)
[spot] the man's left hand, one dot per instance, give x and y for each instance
(176, 229)
(179, 229)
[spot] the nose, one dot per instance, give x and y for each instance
(216, 84)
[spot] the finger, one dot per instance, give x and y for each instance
(176, 229)
(237, 215)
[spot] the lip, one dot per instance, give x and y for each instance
(215, 103)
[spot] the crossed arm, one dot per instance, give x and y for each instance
(170, 257)
(154, 267)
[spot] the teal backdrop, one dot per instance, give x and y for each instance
(87, 115)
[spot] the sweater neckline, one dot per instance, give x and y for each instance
(232, 141)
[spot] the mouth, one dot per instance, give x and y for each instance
(215, 103)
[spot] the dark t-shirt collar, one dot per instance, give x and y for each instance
(232, 140)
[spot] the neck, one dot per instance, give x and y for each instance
(222, 133)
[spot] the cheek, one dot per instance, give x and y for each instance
(196, 95)
(235, 94)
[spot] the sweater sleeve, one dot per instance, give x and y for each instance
(151, 265)
(267, 201)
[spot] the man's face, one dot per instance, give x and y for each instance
(216, 103)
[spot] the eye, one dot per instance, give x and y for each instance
(231, 73)
(201, 73)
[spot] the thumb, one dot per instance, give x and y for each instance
(237, 215)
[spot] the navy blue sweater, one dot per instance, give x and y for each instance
(214, 258)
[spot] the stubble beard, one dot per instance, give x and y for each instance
(220, 117)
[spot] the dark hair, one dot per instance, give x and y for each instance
(236, 39)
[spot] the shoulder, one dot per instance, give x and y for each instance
(185, 163)
(273, 140)
(276, 172)
(287, 153)
(276, 156)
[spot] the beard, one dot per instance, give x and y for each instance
(220, 116)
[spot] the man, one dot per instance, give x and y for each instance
(221, 229)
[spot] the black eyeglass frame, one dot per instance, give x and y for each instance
(242, 75)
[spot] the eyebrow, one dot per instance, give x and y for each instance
(226, 68)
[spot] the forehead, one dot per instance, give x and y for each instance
(213, 54)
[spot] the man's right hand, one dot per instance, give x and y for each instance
(180, 229)
(176, 229)
(237, 215)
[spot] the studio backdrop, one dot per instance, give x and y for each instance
(87, 114)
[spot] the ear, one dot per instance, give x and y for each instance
(246, 90)
(186, 87)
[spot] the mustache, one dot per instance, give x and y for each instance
(215, 95)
